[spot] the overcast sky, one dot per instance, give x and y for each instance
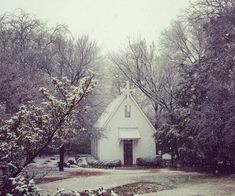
(109, 22)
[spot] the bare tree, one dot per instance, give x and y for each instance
(182, 43)
(156, 72)
(204, 10)
(75, 56)
(25, 49)
(141, 64)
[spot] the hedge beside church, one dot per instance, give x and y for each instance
(149, 161)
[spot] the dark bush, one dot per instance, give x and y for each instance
(96, 164)
(149, 161)
(65, 164)
(72, 162)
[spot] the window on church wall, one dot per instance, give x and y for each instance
(127, 111)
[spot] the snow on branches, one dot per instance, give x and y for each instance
(34, 126)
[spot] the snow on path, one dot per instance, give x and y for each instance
(112, 178)
(83, 183)
(107, 178)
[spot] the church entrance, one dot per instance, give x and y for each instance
(128, 152)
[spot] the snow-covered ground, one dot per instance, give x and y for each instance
(111, 178)
(183, 183)
(204, 187)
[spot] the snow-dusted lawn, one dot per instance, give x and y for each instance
(181, 183)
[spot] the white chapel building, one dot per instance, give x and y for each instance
(127, 132)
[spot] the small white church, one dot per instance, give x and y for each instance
(127, 132)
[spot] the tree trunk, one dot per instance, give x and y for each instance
(156, 123)
(156, 126)
(61, 163)
(172, 157)
(12, 106)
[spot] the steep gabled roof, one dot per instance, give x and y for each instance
(143, 114)
(113, 107)
(109, 111)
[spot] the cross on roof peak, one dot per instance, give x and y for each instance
(127, 90)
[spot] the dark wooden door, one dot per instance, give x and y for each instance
(128, 153)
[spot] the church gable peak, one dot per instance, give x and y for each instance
(127, 90)
(125, 99)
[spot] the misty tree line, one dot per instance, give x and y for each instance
(45, 82)
(32, 53)
(188, 76)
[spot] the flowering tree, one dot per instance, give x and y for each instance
(24, 136)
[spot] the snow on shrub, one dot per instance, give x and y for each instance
(94, 192)
(36, 125)
(105, 164)
(22, 186)
(62, 192)
(90, 161)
